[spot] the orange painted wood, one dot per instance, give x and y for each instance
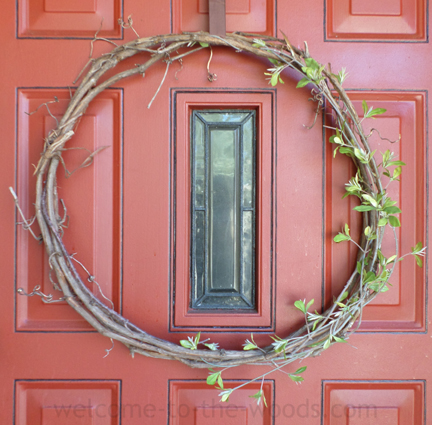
(192, 403)
(403, 307)
(254, 16)
(49, 356)
(94, 202)
(389, 20)
(66, 18)
(355, 403)
(49, 402)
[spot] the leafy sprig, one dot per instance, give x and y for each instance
(193, 342)
(370, 112)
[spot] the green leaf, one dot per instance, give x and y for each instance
(258, 396)
(279, 344)
(312, 63)
(203, 44)
(342, 75)
(335, 139)
(371, 200)
(363, 208)
(417, 248)
(211, 379)
(347, 229)
(392, 210)
(341, 237)
(250, 346)
(303, 82)
(386, 156)
(418, 261)
(370, 277)
(337, 339)
(300, 305)
(186, 344)
(394, 221)
(296, 378)
(346, 151)
(360, 155)
(399, 163)
(308, 305)
(382, 222)
(220, 381)
(274, 61)
(391, 259)
(258, 42)
(359, 267)
(344, 295)
(212, 346)
(396, 173)
(327, 344)
(274, 79)
(365, 107)
(377, 111)
(225, 395)
(300, 370)
(389, 203)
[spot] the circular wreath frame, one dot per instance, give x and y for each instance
(336, 321)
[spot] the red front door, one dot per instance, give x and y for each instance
(130, 217)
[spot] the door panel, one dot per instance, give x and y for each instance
(403, 307)
(387, 20)
(130, 213)
(254, 16)
(93, 200)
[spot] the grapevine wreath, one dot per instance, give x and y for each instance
(368, 279)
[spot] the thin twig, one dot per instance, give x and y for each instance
(160, 85)
(129, 25)
(47, 107)
(210, 76)
(96, 38)
(26, 225)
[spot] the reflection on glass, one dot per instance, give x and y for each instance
(248, 163)
(223, 208)
(199, 252)
(218, 116)
(248, 253)
(199, 163)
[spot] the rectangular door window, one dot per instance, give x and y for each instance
(223, 157)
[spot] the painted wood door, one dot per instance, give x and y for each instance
(129, 222)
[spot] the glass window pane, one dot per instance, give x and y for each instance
(199, 163)
(248, 255)
(248, 162)
(218, 116)
(223, 210)
(199, 257)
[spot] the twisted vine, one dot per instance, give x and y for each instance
(320, 329)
